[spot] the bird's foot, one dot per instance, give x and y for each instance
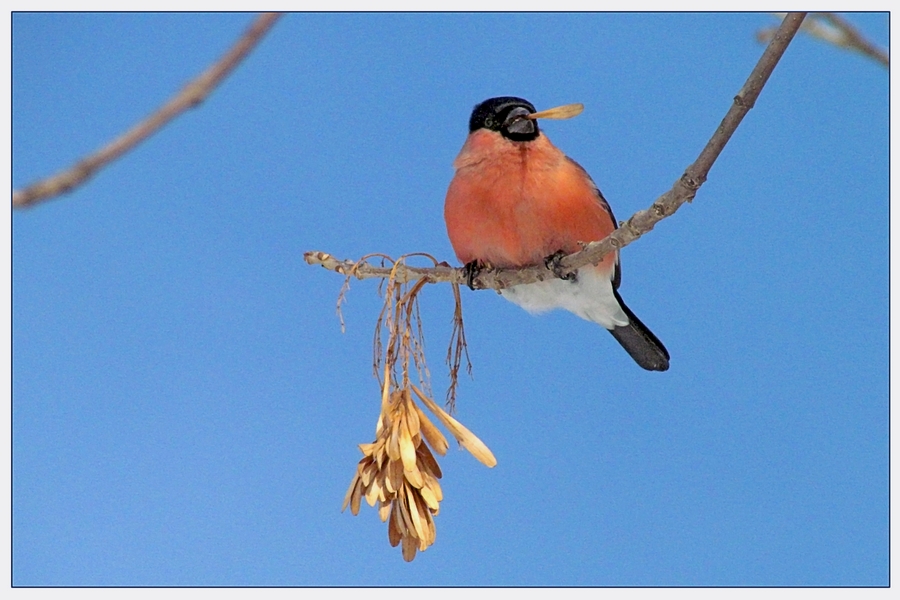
(553, 261)
(472, 270)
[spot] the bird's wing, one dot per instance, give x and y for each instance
(617, 276)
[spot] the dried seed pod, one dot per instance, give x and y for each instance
(428, 495)
(407, 449)
(394, 477)
(432, 434)
(427, 461)
(408, 547)
(384, 510)
(353, 495)
(566, 111)
(466, 438)
(399, 472)
(394, 521)
(414, 477)
(435, 487)
(414, 513)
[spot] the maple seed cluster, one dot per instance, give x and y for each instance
(398, 470)
(400, 473)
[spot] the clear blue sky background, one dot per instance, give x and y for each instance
(186, 410)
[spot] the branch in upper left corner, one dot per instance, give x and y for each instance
(190, 96)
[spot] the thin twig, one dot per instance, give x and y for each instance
(640, 223)
(190, 96)
(855, 41)
(834, 29)
(457, 349)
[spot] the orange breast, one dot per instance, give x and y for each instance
(513, 204)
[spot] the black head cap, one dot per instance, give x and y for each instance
(506, 114)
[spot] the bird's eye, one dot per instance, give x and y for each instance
(490, 123)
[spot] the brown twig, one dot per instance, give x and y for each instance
(834, 29)
(855, 41)
(190, 96)
(640, 223)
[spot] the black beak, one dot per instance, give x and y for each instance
(518, 122)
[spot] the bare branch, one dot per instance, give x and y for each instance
(640, 223)
(855, 41)
(194, 93)
(834, 29)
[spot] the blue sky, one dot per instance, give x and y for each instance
(186, 410)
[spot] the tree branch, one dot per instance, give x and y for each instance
(853, 40)
(640, 223)
(834, 29)
(194, 93)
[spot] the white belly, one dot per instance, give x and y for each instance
(590, 297)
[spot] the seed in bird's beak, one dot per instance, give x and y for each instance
(566, 111)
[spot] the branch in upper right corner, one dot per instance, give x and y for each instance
(836, 30)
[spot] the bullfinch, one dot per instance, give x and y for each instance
(516, 200)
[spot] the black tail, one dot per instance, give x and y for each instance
(639, 342)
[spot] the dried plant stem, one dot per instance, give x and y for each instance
(457, 349)
(640, 223)
(398, 470)
(190, 96)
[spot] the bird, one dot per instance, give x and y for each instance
(516, 200)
